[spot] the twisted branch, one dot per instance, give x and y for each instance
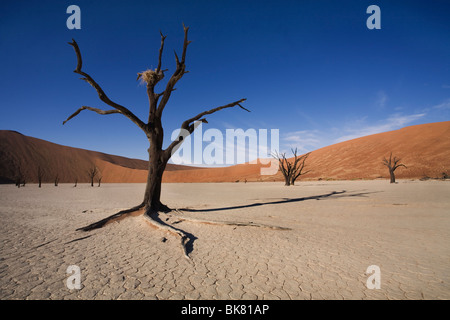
(99, 111)
(189, 125)
(102, 95)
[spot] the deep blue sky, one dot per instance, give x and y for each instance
(309, 68)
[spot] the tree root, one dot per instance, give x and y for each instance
(152, 217)
(111, 218)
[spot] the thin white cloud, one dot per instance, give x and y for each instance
(446, 86)
(443, 105)
(304, 140)
(394, 122)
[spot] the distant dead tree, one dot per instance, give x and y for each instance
(92, 172)
(99, 179)
(56, 179)
(298, 166)
(20, 177)
(76, 182)
(392, 164)
(40, 175)
(154, 132)
(291, 170)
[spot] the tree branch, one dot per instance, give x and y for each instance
(393, 164)
(163, 37)
(176, 76)
(102, 95)
(298, 167)
(189, 127)
(99, 111)
(230, 105)
(282, 163)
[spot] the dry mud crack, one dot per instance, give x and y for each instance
(324, 255)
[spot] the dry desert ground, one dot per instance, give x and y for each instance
(337, 229)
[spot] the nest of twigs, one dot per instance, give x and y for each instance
(150, 76)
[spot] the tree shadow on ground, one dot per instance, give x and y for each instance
(331, 195)
(190, 237)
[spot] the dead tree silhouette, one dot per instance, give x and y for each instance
(153, 130)
(392, 164)
(92, 172)
(291, 170)
(40, 175)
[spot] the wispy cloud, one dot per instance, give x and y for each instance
(304, 140)
(394, 122)
(446, 86)
(443, 105)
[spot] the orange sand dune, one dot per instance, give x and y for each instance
(424, 149)
(18, 151)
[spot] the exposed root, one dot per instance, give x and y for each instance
(228, 223)
(117, 216)
(153, 218)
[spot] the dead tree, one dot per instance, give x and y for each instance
(284, 166)
(76, 182)
(392, 164)
(298, 166)
(56, 179)
(40, 175)
(99, 179)
(291, 170)
(20, 177)
(153, 130)
(92, 172)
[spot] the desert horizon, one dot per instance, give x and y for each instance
(424, 148)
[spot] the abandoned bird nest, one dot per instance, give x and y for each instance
(150, 76)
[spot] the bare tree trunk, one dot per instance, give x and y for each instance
(152, 195)
(392, 164)
(392, 175)
(92, 173)
(19, 177)
(157, 161)
(40, 176)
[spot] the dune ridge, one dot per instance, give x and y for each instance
(424, 149)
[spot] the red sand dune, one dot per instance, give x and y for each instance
(424, 149)
(27, 153)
